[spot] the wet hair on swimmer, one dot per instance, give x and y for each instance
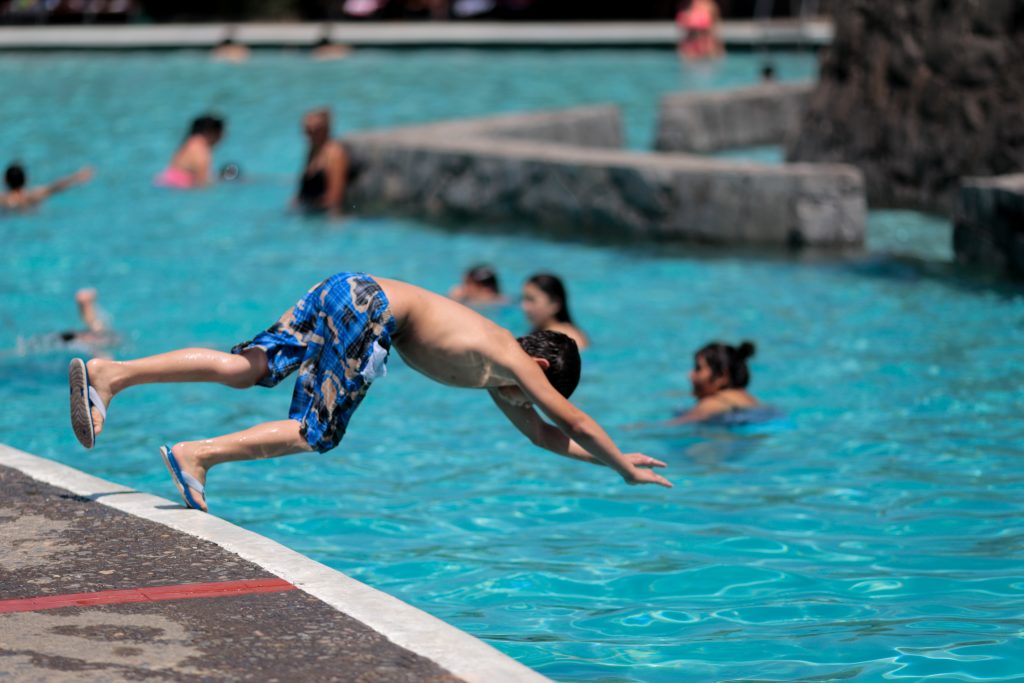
(729, 361)
(562, 355)
(207, 124)
(484, 276)
(14, 176)
(555, 290)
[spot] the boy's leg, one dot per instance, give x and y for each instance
(267, 440)
(110, 378)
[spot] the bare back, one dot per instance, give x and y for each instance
(194, 157)
(447, 341)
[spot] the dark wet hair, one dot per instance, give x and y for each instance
(14, 176)
(207, 124)
(553, 287)
(767, 72)
(484, 276)
(729, 361)
(562, 355)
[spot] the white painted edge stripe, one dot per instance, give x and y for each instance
(460, 653)
(810, 32)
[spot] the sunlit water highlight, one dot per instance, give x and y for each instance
(875, 534)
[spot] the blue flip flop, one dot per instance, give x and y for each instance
(184, 482)
(83, 398)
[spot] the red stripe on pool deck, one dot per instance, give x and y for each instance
(183, 591)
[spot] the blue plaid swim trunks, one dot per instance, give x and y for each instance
(338, 336)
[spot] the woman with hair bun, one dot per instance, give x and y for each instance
(720, 377)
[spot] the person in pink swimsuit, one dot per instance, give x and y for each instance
(190, 166)
(699, 23)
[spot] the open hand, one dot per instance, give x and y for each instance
(642, 472)
(644, 476)
(641, 460)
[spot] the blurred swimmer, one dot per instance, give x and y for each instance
(326, 49)
(20, 198)
(228, 50)
(479, 286)
(546, 305)
(96, 338)
(190, 166)
(699, 23)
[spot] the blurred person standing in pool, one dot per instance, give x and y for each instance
(322, 185)
(229, 50)
(699, 24)
(546, 305)
(719, 378)
(20, 198)
(190, 166)
(479, 287)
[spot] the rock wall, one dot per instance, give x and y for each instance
(703, 122)
(989, 224)
(918, 93)
(558, 172)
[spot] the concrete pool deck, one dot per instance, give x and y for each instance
(103, 582)
(736, 34)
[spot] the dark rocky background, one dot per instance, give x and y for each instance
(918, 93)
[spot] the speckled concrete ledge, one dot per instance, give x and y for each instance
(76, 533)
(709, 121)
(563, 172)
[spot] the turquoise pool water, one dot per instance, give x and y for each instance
(876, 534)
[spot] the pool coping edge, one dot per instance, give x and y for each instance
(409, 627)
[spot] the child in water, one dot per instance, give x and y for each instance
(719, 377)
(479, 286)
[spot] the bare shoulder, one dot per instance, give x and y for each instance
(432, 313)
(401, 295)
(334, 150)
(575, 333)
(406, 297)
(737, 398)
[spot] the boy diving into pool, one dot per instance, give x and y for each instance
(338, 337)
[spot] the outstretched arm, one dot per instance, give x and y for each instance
(550, 438)
(577, 427)
(77, 178)
(87, 309)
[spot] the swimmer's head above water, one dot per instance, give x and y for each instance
(208, 126)
(545, 300)
(316, 124)
(14, 176)
(484, 276)
(718, 366)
